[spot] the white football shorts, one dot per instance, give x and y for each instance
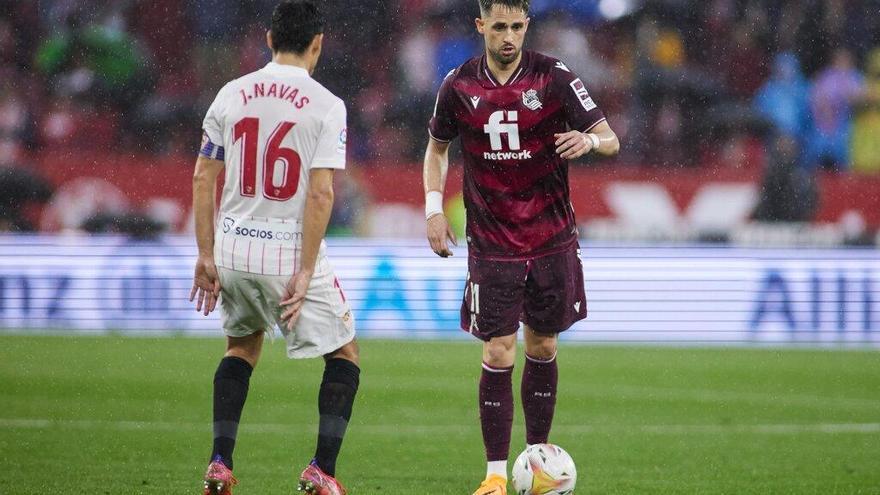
(249, 303)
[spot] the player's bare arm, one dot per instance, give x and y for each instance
(434, 176)
(600, 139)
(206, 282)
(319, 205)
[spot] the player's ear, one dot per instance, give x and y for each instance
(481, 25)
(317, 43)
(269, 40)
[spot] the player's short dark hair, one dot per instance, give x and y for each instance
(295, 23)
(486, 5)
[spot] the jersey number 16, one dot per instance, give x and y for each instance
(275, 188)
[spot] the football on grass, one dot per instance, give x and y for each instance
(544, 469)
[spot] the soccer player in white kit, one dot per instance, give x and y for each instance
(279, 135)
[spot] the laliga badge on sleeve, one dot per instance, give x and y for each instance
(343, 138)
(581, 91)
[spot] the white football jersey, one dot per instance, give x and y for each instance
(270, 127)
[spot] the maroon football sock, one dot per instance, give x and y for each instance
(496, 411)
(539, 397)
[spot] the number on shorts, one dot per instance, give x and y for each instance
(475, 304)
(475, 298)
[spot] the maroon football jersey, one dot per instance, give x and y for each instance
(515, 185)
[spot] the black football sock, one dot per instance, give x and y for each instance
(230, 391)
(335, 401)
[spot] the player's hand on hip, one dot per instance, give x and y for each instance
(295, 296)
(572, 144)
(206, 285)
(439, 232)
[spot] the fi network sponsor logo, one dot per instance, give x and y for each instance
(504, 124)
(508, 155)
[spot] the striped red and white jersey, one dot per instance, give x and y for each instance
(270, 128)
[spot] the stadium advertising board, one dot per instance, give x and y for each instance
(687, 295)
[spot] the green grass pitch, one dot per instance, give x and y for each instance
(112, 415)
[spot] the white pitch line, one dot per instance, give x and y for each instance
(701, 395)
(411, 429)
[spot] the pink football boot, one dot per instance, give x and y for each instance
(219, 479)
(313, 481)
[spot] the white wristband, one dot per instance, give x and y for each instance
(595, 140)
(433, 204)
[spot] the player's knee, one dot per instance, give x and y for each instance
(500, 352)
(350, 351)
(247, 348)
(542, 348)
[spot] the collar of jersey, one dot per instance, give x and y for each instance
(521, 69)
(285, 70)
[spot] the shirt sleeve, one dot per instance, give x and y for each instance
(330, 152)
(581, 112)
(212, 130)
(443, 126)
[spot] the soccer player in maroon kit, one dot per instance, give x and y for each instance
(521, 117)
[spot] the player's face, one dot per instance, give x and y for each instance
(504, 30)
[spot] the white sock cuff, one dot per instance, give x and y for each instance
(490, 369)
(497, 467)
(542, 361)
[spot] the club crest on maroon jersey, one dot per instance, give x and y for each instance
(530, 100)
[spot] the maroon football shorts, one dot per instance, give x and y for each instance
(545, 293)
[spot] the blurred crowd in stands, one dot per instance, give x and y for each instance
(785, 86)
